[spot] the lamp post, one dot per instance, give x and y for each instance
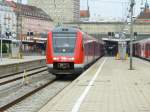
(19, 26)
(1, 44)
(131, 34)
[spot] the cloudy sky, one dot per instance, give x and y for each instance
(109, 8)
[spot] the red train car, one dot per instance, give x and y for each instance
(142, 48)
(69, 50)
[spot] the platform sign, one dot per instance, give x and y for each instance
(15, 46)
(122, 49)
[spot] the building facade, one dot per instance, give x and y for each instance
(144, 16)
(101, 29)
(7, 21)
(84, 15)
(60, 10)
(32, 22)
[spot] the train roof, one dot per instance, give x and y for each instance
(72, 30)
(143, 40)
(65, 29)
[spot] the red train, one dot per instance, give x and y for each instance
(69, 50)
(142, 48)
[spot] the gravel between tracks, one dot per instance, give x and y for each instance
(10, 92)
(36, 101)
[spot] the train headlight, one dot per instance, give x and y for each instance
(72, 59)
(55, 58)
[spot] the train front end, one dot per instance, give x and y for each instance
(64, 53)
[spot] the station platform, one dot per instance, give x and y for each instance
(107, 86)
(7, 61)
(11, 66)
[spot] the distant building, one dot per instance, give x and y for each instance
(32, 21)
(7, 21)
(144, 15)
(60, 10)
(84, 15)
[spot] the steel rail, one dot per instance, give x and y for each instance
(13, 74)
(8, 105)
(20, 77)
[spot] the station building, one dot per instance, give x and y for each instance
(84, 15)
(33, 24)
(60, 10)
(144, 16)
(7, 20)
(33, 21)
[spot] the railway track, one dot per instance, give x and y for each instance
(13, 74)
(17, 76)
(40, 98)
(12, 99)
(19, 99)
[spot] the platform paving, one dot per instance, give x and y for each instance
(7, 61)
(108, 86)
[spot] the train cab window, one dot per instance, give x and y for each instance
(64, 43)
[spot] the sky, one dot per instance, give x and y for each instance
(109, 8)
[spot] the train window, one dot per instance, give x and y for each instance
(64, 29)
(146, 47)
(64, 43)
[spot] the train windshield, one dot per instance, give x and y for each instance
(64, 43)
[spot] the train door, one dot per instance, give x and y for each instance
(139, 49)
(146, 50)
(94, 51)
(143, 50)
(85, 45)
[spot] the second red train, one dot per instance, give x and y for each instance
(142, 48)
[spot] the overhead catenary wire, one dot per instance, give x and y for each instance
(54, 4)
(110, 1)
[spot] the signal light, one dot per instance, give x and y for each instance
(135, 33)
